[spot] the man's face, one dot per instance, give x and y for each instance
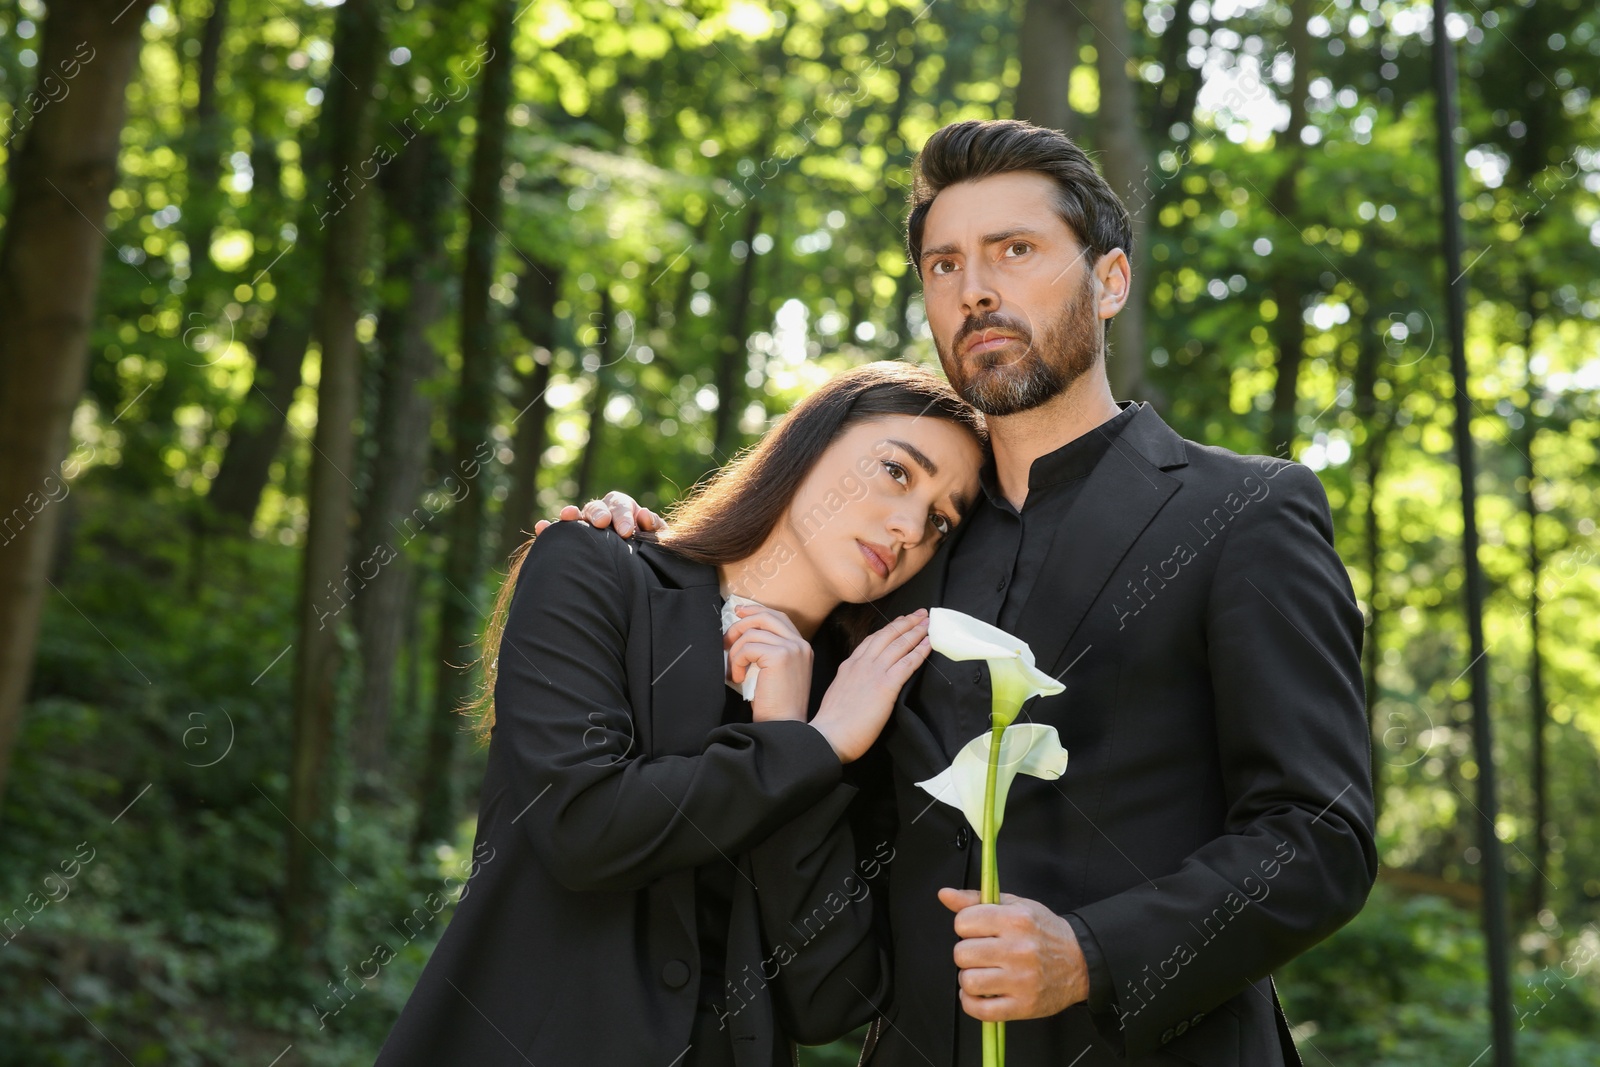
(1014, 304)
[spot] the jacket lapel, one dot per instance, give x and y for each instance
(911, 742)
(1124, 492)
(687, 692)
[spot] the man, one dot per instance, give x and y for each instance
(1215, 819)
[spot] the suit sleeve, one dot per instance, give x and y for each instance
(601, 816)
(1297, 858)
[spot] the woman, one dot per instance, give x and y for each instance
(666, 874)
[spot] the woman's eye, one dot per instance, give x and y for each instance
(940, 523)
(896, 471)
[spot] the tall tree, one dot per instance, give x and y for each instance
(538, 289)
(470, 419)
(734, 358)
(204, 165)
(413, 299)
(324, 589)
(1369, 356)
(1538, 708)
(1125, 160)
(599, 392)
(1048, 45)
(61, 180)
(1289, 287)
(279, 352)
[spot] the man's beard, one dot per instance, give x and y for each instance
(1000, 383)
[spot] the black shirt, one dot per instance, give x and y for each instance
(992, 570)
(994, 566)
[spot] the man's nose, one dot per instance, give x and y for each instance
(978, 295)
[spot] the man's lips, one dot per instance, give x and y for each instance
(988, 341)
(877, 558)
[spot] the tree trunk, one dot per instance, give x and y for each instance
(204, 163)
(50, 261)
(1366, 403)
(279, 352)
(1538, 711)
(538, 289)
(324, 586)
(460, 604)
(735, 351)
(1049, 55)
(257, 431)
(413, 188)
(1288, 287)
(597, 400)
(1125, 161)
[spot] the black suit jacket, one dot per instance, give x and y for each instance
(609, 780)
(1215, 819)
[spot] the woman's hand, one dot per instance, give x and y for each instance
(858, 703)
(764, 637)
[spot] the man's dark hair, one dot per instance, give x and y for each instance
(967, 151)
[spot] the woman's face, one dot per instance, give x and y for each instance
(881, 499)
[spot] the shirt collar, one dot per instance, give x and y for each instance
(1071, 461)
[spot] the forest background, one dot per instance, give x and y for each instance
(307, 311)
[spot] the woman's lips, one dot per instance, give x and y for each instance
(879, 567)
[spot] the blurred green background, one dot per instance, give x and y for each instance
(377, 283)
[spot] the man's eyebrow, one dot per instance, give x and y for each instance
(1006, 235)
(988, 239)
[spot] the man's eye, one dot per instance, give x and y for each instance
(940, 523)
(942, 266)
(896, 471)
(1019, 248)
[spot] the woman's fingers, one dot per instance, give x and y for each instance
(880, 639)
(763, 618)
(760, 648)
(903, 668)
(900, 640)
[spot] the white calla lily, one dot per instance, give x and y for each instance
(1013, 678)
(980, 777)
(1025, 748)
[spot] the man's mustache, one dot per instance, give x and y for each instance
(992, 320)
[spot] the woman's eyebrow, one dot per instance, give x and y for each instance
(922, 461)
(958, 501)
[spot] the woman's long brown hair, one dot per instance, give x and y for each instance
(729, 515)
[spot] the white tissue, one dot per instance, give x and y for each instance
(729, 617)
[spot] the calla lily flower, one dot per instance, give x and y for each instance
(1013, 678)
(1025, 748)
(980, 777)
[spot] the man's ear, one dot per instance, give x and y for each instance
(1115, 276)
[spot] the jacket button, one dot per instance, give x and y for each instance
(977, 676)
(675, 974)
(1166, 1036)
(1197, 1017)
(1180, 1028)
(962, 837)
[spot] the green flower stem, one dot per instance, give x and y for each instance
(994, 1036)
(1009, 689)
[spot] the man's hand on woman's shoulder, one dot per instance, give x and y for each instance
(616, 509)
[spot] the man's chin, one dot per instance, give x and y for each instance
(998, 391)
